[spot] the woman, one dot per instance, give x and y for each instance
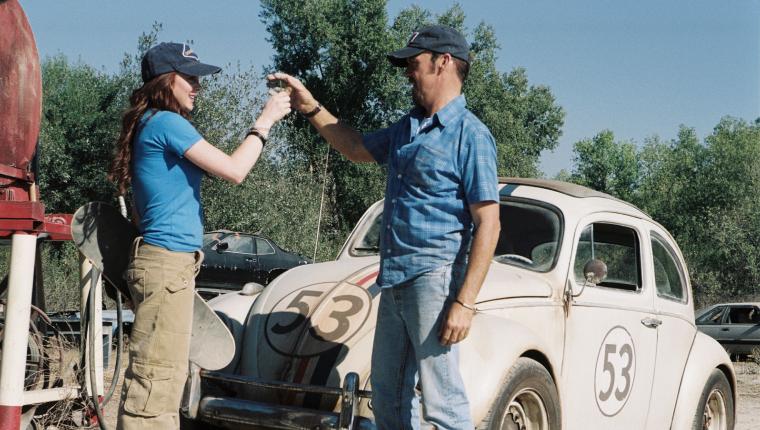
(164, 158)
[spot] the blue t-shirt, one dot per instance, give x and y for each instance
(437, 168)
(166, 186)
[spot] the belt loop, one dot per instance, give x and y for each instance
(136, 246)
(198, 260)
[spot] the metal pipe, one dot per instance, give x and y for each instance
(16, 330)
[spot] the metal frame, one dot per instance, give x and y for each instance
(231, 411)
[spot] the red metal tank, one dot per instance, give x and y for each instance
(20, 92)
(20, 113)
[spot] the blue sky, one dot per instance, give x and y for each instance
(639, 68)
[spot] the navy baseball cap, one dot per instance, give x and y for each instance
(436, 38)
(174, 57)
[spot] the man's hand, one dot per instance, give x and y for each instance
(457, 325)
(300, 97)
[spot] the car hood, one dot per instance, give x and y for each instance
(303, 325)
(508, 282)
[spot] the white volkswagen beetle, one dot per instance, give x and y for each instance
(585, 321)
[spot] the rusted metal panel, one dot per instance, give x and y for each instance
(30, 217)
(20, 88)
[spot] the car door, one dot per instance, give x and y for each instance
(213, 270)
(711, 323)
(610, 346)
(741, 328)
(675, 319)
(266, 260)
(239, 258)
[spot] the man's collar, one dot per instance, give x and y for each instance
(452, 110)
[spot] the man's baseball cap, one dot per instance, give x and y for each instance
(174, 57)
(436, 38)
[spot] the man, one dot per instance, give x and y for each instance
(441, 180)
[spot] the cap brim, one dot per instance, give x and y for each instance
(398, 58)
(198, 69)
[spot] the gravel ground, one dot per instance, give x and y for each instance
(748, 407)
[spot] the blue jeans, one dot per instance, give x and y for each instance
(407, 350)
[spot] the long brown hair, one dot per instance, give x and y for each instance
(156, 94)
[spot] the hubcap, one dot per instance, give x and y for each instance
(715, 412)
(526, 411)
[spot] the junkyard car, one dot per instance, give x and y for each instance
(556, 343)
(233, 259)
(736, 326)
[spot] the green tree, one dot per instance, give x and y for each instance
(338, 49)
(81, 109)
(705, 194)
(606, 165)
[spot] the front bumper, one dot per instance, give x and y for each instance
(236, 413)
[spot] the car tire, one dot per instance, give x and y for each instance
(716, 404)
(528, 400)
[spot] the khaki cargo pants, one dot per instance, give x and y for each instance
(162, 284)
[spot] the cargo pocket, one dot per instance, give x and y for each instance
(151, 391)
(179, 281)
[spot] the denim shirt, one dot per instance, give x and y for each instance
(437, 167)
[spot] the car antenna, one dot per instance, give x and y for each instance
(321, 203)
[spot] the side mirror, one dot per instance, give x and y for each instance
(594, 271)
(222, 246)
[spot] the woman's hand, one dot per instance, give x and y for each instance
(300, 97)
(274, 110)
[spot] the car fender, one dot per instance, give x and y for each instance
(233, 309)
(705, 356)
(485, 359)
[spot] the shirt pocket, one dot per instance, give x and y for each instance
(430, 169)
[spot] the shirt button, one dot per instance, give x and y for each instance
(387, 251)
(393, 200)
(387, 227)
(399, 176)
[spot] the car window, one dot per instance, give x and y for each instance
(668, 277)
(238, 244)
(263, 247)
(743, 315)
(530, 234)
(713, 316)
(618, 248)
(211, 237)
(370, 243)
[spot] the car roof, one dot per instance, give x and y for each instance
(571, 190)
(235, 232)
(737, 304)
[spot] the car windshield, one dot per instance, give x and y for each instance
(370, 243)
(530, 234)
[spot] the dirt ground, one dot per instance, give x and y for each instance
(748, 407)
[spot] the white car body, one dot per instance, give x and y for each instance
(620, 356)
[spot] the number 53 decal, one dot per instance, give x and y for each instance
(615, 369)
(326, 317)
